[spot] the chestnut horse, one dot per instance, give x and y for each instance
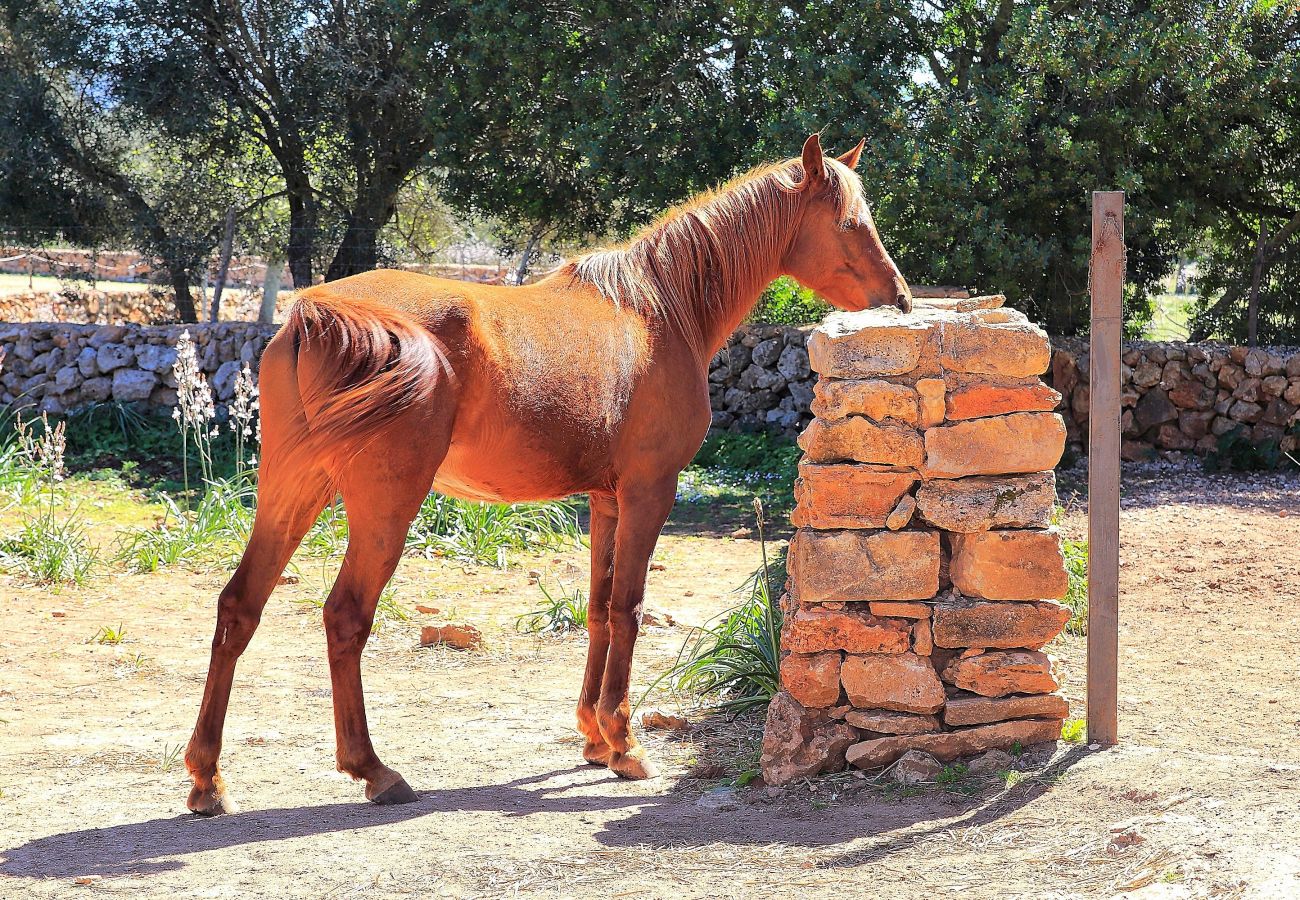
(593, 380)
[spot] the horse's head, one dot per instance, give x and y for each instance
(836, 250)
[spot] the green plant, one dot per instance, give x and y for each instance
(737, 467)
(220, 522)
(1076, 595)
(484, 532)
(1073, 731)
(387, 609)
(561, 612)
(108, 635)
(48, 548)
(737, 661)
(1235, 452)
(171, 755)
(784, 302)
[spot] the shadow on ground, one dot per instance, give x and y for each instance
(664, 820)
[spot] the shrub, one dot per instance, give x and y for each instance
(784, 302)
(1236, 453)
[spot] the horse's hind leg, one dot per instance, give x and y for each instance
(287, 506)
(382, 492)
(604, 521)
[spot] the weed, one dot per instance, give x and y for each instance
(212, 531)
(171, 755)
(111, 636)
(1073, 731)
(1076, 596)
(1017, 749)
(388, 610)
(483, 532)
(738, 660)
(560, 612)
(951, 775)
(733, 468)
(1012, 777)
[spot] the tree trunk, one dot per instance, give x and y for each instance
(180, 278)
(302, 236)
(270, 291)
(223, 268)
(1252, 302)
(529, 249)
(359, 250)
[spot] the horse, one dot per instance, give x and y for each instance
(386, 385)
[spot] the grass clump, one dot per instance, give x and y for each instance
(1076, 595)
(560, 613)
(1073, 731)
(735, 660)
(732, 468)
(210, 532)
(484, 533)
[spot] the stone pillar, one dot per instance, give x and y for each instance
(925, 574)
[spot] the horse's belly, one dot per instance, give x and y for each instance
(512, 467)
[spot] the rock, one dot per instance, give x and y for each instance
(793, 364)
(978, 399)
(657, 720)
(1013, 348)
(799, 744)
(949, 745)
(1153, 409)
(1191, 394)
(931, 391)
(113, 356)
(1009, 565)
(886, 721)
(766, 353)
(66, 379)
(999, 673)
(902, 513)
(864, 565)
(900, 609)
(915, 767)
(132, 384)
(458, 636)
(87, 362)
(814, 629)
(812, 678)
(903, 682)
(990, 763)
(223, 382)
(1002, 625)
(1015, 443)
(96, 390)
(877, 400)
(858, 438)
(847, 496)
(1170, 437)
(882, 341)
(981, 503)
(922, 638)
(979, 710)
(427, 610)
(155, 358)
(719, 799)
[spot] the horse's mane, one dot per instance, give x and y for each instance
(680, 261)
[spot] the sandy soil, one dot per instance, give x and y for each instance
(1201, 798)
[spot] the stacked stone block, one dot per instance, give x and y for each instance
(925, 575)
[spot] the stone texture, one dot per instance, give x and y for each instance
(798, 743)
(902, 513)
(877, 400)
(131, 385)
(876, 342)
(864, 565)
(922, 638)
(915, 767)
(979, 710)
(900, 609)
(998, 673)
(931, 391)
(814, 629)
(1002, 625)
(886, 721)
(1015, 443)
(1009, 565)
(978, 400)
(860, 439)
(903, 682)
(1013, 347)
(949, 745)
(980, 503)
(847, 496)
(812, 678)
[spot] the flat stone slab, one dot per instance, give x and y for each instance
(843, 566)
(948, 745)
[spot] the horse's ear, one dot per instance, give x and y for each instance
(851, 158)
(814, 167)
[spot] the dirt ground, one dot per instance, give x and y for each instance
(1200, 799)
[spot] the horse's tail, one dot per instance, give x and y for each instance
(359, 365)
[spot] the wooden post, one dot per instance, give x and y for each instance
(1107, 288)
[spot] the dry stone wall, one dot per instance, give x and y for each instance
(924, 575)
(58, 367)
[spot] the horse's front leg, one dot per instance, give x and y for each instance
(604, 520)
(642, 511)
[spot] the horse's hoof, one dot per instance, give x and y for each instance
(209, 803)
(397, 792)
(597, 754)
(634, 766)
